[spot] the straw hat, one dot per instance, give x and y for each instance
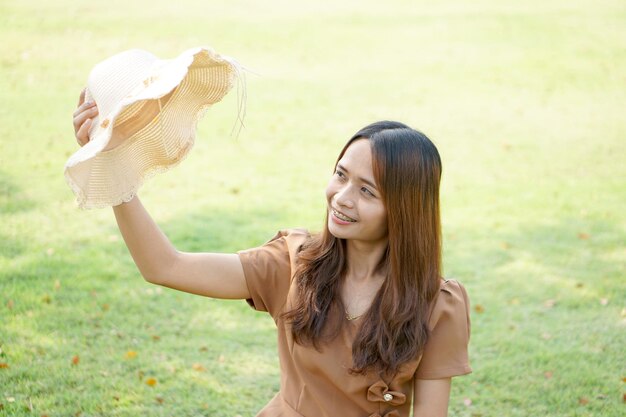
(148, 112)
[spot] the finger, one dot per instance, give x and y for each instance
(82, 135)
(82, 116)
(81, 99)
(86, 105)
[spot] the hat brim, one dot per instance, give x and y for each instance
(155, 126)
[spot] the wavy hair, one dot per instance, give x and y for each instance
(407, 169)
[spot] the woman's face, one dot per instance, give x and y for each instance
(355, 207)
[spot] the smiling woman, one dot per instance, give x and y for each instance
(367, 326)
(357, 211)
(369, 303)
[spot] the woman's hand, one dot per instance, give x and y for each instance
(83, 118)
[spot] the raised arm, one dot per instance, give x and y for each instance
(217, 275)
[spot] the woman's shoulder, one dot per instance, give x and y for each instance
(269, 268)
(292, 239)
(285, 245)
(296, 233)
(445, 353)
(454, 288)
(287, 237)
(451, 304)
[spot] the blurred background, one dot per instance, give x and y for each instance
(524, 100)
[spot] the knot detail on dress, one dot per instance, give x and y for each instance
(379, 391)
(392, 413)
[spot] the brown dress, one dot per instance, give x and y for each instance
(317, 384)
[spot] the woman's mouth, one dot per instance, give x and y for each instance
(341, 217)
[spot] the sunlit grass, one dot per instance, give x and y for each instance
(523, 99)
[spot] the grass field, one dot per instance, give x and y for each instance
(525, 101)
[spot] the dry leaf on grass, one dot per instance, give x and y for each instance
(151, 382)
(583, 401)
(198, 367)
(479, 308)
(4, 365)
(75, 360)
(131, 354)
(549, 303)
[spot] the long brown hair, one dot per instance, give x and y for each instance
(407, 169)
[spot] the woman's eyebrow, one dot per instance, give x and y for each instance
(364, 180)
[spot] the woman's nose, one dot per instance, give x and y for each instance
(344, 197)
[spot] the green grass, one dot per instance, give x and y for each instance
(525, 101)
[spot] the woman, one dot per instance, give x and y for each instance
(366, 325)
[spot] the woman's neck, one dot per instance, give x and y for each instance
(363, 259)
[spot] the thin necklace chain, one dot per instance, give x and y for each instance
(350, 317)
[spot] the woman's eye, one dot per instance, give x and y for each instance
(368, 192)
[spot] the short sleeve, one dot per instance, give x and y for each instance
(268, 270)
(445, 354)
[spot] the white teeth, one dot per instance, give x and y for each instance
(342, 217)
